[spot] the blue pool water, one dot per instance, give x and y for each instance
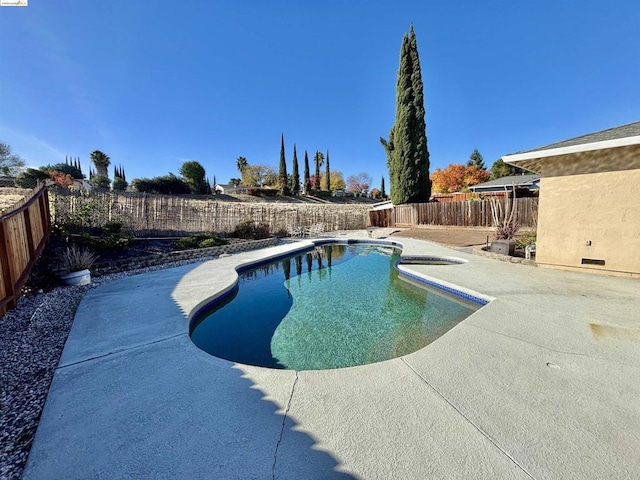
(331, 307)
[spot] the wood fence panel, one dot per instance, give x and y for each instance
(17, 245)
(462, 214)
(23, 234)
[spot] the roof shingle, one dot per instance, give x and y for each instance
(623, 131)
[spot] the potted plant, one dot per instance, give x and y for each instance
(75, 262)
(505, 224)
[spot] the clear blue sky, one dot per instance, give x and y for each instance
(153, 83)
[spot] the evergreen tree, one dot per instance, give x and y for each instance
(194, 175)
(475, 159)
(295, 174)
(406, 147)
(328, 173)
(318, 160)
(501, 169)
(119, 183)
(215, 182)
(282, 171)
(307, 176)
(383, 194)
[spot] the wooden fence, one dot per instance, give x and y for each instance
(464, 197)
(163, 215)
(23, 234)
(461, 214)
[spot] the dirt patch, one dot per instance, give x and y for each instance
(452, 237)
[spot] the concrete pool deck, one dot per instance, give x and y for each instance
(543, 382)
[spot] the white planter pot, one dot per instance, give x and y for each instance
(82, 277)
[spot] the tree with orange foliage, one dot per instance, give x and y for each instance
(457, 177)
(61, 178)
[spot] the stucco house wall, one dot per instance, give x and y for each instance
(591, 216)
(589, 205)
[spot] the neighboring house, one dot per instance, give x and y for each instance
(524, 185)
(589, 210)
(225, 189)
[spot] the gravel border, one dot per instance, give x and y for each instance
(32, 337)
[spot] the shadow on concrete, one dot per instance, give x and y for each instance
(152, 408)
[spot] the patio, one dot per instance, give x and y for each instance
(540, 383)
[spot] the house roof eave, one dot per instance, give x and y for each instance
(517, 158)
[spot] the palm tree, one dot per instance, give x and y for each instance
(101, 161)
(241, 163)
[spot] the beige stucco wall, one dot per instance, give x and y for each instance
(603, 208)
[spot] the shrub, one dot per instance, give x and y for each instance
(526, 238)
(209, 242)
(113, 238)
(251, 230)
(282, 233)
(201, 240)
(114, 241)
(112, 227)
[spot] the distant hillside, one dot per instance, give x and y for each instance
(302, 199)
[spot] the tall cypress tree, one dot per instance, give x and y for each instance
(282, 171)
(407, 154)
(328, 173)
(295, 174)
(307, 176)
(318, 159)
(382, 192)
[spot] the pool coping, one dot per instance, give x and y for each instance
(495, 397)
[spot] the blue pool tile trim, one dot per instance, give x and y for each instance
(427, 259)
(452, 291)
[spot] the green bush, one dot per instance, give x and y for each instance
(251, 230)
(209, 242)
(201, 240)
(114, 241)
(526, 238)
(112, 228)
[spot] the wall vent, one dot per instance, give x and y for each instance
(592, 261)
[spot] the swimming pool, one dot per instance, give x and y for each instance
(333, 306)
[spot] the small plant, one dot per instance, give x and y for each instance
(112, 228)
(251, 230)
(75, 259)
(503, 219)
(202, 240)
(527, 238)
(209, 242)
